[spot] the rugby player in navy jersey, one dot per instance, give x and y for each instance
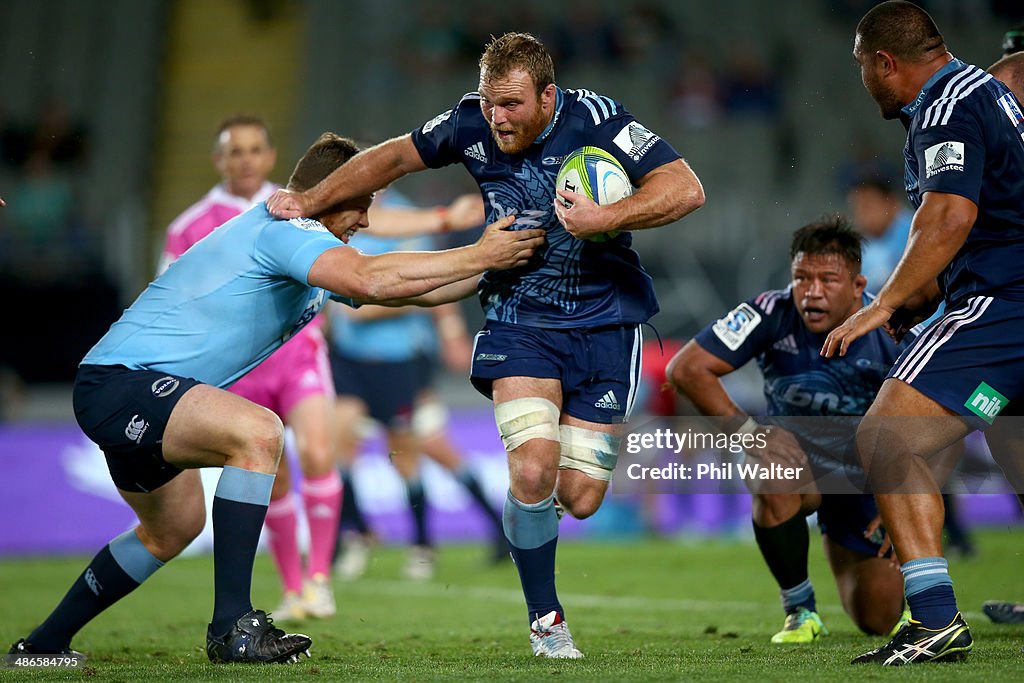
(560, 352)
(783, 331)
(964, 174)
(151, 393)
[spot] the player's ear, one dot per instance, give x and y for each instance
(885, 63)
(859, 283)
(547, 95)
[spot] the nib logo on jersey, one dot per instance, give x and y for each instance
(476, 151)
(945, 156)
(609, 402)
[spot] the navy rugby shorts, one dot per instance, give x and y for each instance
(599, 368)
(845, 517)
(388, 388)
(125, 413)
(969, 360)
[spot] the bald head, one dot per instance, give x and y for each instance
(1010, 70)
(902, 29)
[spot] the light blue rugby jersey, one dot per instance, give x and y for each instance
(396, 339)
(229, 302)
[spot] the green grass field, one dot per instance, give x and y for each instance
(649, 610)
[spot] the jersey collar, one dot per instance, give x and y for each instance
(908, 111)
(220, 194)
(554, 119)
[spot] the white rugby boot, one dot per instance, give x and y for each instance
(550, 637)
(318, 598)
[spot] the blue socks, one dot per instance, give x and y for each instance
(929, 591)
(418, 507)
(239, 508)
(532, 533)
(116, 571)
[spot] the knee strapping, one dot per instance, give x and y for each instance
(522, 419)
(591, 452)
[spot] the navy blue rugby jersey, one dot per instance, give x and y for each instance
(965, 136)
(798, 381)
(571, 283)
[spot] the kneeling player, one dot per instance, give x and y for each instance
(783, 330)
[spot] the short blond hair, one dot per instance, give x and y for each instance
(514, 51)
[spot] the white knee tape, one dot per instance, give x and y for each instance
(592, 453)
(522, 419)
(429, 418)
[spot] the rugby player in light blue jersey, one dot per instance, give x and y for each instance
(560, 352)
(964, 174)
(151, 392)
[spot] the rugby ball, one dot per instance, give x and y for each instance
(597, 174)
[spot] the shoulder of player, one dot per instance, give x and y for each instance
(590, 106)
(954, 97)
(775, 302)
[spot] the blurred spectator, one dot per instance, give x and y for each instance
(649, 39)
(696, 100)
(750, 87)
(41, 218)
(585, 37)
(436, 41)
(53, 134)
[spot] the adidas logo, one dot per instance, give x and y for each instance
(476, 152)
(787, 345)
(608, 401)
(321, 511)
(92, 581)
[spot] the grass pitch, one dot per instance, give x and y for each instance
(649, 610)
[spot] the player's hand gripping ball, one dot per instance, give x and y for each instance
(598, 175)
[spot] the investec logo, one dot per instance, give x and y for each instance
(608, 401)
(986, 402)
(477, 152)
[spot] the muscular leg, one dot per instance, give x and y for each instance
(894, 451)
(870, 588)
(531, 526)
(170, 517)
(580, 494)
(211, 427)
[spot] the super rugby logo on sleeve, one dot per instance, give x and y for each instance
(945, 156)
(635, 140)
(308, 224)
(733, 329)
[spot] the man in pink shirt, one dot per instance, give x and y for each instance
(295, 382)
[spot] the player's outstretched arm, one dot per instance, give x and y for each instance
(363, 174)
(402, 275)
(664, 195)
(465, 212)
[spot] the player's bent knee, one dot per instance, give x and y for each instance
(581, 506)
(263, 441)
(523, 419)
(591, 452)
